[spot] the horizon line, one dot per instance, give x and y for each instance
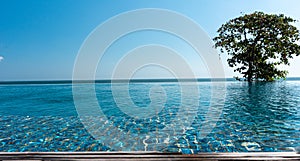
(135, 80)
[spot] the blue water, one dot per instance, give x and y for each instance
(255, 117)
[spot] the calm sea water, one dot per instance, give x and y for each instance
(256, 117)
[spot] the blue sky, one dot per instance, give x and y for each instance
(40, 39)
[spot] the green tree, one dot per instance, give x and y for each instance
(258, 43)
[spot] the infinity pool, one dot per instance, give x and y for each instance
(255, 117)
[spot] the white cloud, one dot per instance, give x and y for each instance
(1, 58)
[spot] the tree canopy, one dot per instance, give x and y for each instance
(258, 43)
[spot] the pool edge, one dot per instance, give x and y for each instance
(141, 155)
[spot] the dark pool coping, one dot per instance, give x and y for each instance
(146, 156)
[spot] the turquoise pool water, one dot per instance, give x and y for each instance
(256, 117)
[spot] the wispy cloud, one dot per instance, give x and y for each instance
(1, 58)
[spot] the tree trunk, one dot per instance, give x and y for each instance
(251, 61)
(250, 72)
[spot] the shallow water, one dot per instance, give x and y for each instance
(256, 117)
